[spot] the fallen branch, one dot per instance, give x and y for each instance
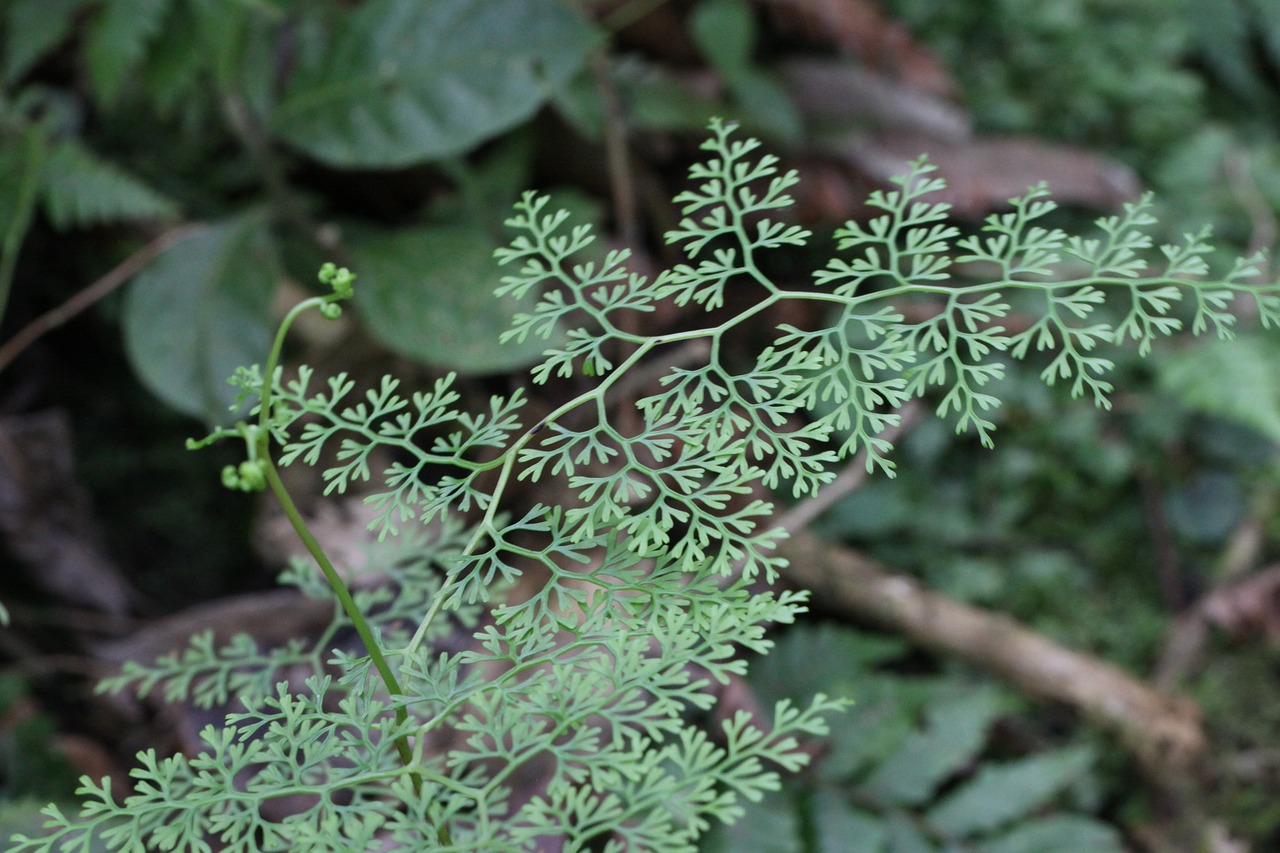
(1163, 731)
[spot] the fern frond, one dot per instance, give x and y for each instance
(81, 190)
(616, 607)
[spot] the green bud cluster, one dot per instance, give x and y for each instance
(248, 476)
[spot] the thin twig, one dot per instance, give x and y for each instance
(1164, 731)
(617, 157)
(118, 275)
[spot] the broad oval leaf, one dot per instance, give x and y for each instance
(200, 311)
(407, 81)
(427, 293)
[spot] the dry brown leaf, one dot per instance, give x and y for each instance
(982, 174)
(862, 29)
(47, 515)
(842, 94)
(1248, 606)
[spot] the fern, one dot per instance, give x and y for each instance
(81, 190)
(617, 605)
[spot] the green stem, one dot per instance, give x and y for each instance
(508, 458)
(23, 209)
(340, 589)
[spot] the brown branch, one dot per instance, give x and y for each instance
(121, 273)
(1163, 731)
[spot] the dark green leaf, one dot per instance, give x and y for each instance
(32, 29)
(999, 794)
(1056, 835)
(171, 72)
(770, 826)
(659, 101)
(1222, 32)
(766, 105)
(905, 836)
(428, 294)
(200, 311)
(118, 40)
(1208, 508)
(826, 658)
(840, 827)
(240, 47)
(955, 731)
(406, 81)
(725, 31)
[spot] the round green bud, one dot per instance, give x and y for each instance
(252, 478)
(331, 310)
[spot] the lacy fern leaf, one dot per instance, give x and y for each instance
(618, 602)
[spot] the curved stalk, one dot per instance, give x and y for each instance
(261, 451)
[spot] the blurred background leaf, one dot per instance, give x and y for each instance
(405, 81)
(200, 311)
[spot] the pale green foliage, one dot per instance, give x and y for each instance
(615, 610)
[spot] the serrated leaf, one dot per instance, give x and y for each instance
(32, 29)
(955, 732)
(1057, 834)
(200, 311)
(81, 190)
(427, 293)
(998, 794)
(118, 40)
(406, 81)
